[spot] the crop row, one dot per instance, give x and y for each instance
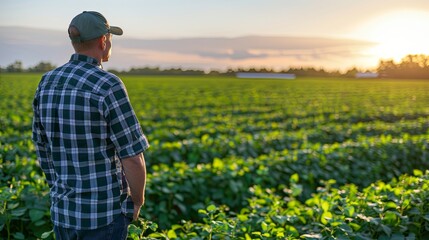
(178, 191)
(289, 121)
(394, 210)
(171, 129)
(176, 128)
(202, 144)
(204, 149)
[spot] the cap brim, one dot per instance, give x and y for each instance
(115, 30)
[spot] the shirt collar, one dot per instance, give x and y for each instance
(85, 58)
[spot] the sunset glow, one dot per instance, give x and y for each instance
(397, 33)
(336, 34)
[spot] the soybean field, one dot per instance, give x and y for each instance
(309, 158)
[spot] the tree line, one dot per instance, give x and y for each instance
(18, 66)
(411, 66)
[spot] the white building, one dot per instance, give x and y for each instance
(366, 75)
(266, 75)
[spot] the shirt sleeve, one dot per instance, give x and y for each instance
(125, 131)
(41, 144)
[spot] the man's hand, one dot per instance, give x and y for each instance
(136, 212)
(135, 173)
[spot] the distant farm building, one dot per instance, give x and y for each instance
(366, 75)
(266, 75)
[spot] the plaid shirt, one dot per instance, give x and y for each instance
(83, 125)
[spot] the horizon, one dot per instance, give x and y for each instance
(368, 31)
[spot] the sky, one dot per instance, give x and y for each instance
(385, 28)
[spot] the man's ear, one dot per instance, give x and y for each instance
(102, 42)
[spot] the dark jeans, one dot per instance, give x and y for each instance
(117, 230)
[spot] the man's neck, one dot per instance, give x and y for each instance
(94, 54)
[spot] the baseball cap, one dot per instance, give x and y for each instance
(92, 25)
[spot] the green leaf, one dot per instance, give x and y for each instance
(153, 226)
(176, 226)
(242, 217)
(335, 223)
(18, 212)
(134, 230)
(414, 211)
(171, 234)
(281, 235)
(211, 208)
(346, 228)
(355, 226)
(390, 205)
(294, 178)
(349, 211)
(36, 214)
(157, 235)
(3, 218)
(40, 223)
(326, 216)
(325, 206)
(291, 230)
(19, 235)
(417, 173)
(12, 205)
(47, 234)
(281, 220)
(397, 236)
(383, 237)
(390, 217)
(218, 164)
(386, 229)
(296, 189)
(202, 211)
(312, 236)
(264, 226)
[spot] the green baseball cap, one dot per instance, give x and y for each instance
(92, 25)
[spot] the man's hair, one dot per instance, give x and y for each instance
(81, 46)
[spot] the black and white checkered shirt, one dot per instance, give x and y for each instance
(83, 126)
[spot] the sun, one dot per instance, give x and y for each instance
(397, 34)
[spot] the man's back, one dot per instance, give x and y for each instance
(84, 124)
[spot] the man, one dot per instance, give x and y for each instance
(88, 140)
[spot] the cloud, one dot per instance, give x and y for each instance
(232, 54)
(243, 47)
(254, 50)
(34, 45)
